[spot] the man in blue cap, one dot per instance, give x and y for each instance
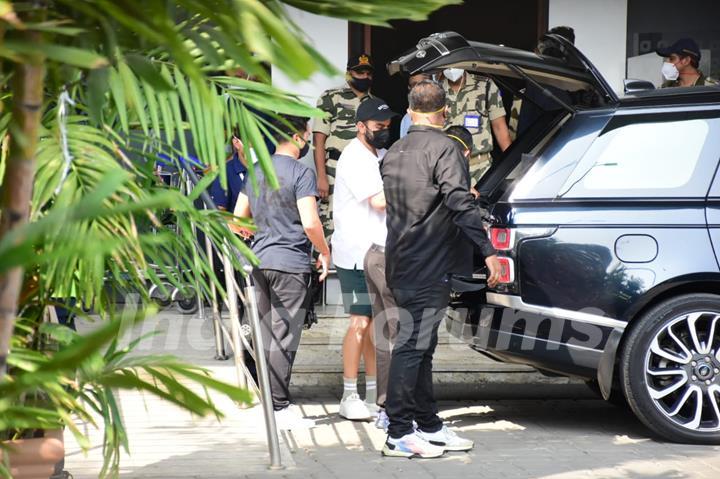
(681, 66)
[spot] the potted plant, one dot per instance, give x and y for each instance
(91, 92)
(35, 457)
(60, 377)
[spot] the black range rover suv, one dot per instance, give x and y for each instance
(606, 216)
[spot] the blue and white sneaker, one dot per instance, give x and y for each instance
(446, 439)
(411, 445)
(382, 421)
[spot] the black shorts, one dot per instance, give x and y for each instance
(356, 299)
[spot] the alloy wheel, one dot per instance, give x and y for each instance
(682, 371)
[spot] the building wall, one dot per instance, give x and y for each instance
(600, 30)
(329, 36)
(600, 26)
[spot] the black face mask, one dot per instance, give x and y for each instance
(377, 139)
(361, 84)
(304, 150)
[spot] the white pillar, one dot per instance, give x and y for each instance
(329, 36)
(600, 33)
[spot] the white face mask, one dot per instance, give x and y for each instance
(670, 71)
(453, 74)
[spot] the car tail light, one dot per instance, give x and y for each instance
(507, 270)
(502, 239)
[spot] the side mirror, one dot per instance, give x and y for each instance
(631, 85)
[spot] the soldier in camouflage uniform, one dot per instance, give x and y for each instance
(334, 131)
(680, 68)
(476, 104)
(514, 118)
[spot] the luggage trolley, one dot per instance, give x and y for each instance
(186, 297)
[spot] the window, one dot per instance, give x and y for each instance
(652, 24)
(653, 159)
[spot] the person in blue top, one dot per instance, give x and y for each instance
(236, 171)
(406, 123)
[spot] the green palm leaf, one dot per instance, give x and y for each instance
(142, 76)
(372, 12)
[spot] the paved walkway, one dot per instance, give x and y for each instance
(549, 439)
(168, 443)
(517, 434)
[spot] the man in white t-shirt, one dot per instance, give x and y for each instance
(358, 224)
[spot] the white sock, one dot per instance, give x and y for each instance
(349, 387)
(370, 389)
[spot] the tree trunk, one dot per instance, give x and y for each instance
(17, 185)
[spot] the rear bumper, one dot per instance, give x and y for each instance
(564, 342)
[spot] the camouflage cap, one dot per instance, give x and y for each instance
(360, 61)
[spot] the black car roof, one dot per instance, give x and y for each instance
(674, 96)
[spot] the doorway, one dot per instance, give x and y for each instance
(515, 23)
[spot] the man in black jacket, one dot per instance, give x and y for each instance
(432, 221)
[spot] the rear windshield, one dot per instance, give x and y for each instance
(555, 157)
(535, 113)
(521, 156)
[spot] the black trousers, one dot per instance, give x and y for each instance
(282, 306)
(410, 386)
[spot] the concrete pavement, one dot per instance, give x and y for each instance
(564, 438)
(539, 428)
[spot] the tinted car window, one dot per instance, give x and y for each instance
(649, 159)
(558, 158)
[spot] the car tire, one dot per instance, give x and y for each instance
(670, 369)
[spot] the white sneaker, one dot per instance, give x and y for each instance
(373, 408)
(291, 418)
(446, 439)
(411, 445)
(354, 408)
(382, 421)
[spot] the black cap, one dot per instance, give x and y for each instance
(374, 109)
(568, 33)
(684, 46)
(360, 61)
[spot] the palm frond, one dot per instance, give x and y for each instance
(372, 12)
(127, 82)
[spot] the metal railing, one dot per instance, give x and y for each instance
(238, 342)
